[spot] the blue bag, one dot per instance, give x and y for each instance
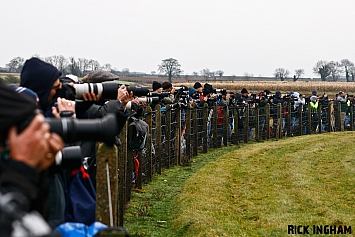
(81, 198)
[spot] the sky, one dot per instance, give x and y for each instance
(235, 36)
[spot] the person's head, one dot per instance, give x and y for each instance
(244, 92)
(198, 87)
(314, 92)
(167, 86)
(99, 76)
(278, 94)
(42, 78)
(157, 87)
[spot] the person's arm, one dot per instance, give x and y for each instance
(169, 99)
(30, 152)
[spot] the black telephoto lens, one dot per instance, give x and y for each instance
(71, 130)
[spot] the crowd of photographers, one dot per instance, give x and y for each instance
(38, 123)
(48, 114)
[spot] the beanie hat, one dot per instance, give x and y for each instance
(101, 76)
(166, 85)
(244, 90)
(39, 76)
(314, 92)
(197, 85)
(156, 85)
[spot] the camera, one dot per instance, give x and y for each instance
(133, 106)
(107, 90)
(72, 130)
(160, 95)
(222, 91)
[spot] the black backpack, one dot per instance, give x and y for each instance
(139, 131)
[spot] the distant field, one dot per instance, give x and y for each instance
(304, 87)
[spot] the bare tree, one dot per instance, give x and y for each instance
(248, 76)
(49, 60)
(347, 64)
(352, 72)
(298, 74)
(336, 70)
(322, 68)
(171, 68)
(62, 62)
(15, 64)
(281, 73)
(219, 73)
(125, 71)
(206, 73)
(106, 67)
(73, 67)
(195, 74)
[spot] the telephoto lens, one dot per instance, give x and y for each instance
(69, 157)
(107, 90)
(72, 130)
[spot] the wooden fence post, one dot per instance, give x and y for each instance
(257, 123)
(329, 116)
(195, 126)
(351, 117)
(267, 121)
(236, 124)
(309, 119)
(149, 155)
(319, 112)
(289, 119)
(204, 128)
(107, 190)
(214, 126)
(158, 138)
(225, 125)
(178, 136)
(187, 156)
(246, 124)
(168, 135)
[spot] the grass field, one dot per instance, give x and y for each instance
(256, 190)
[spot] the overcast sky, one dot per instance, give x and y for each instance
(235, 36)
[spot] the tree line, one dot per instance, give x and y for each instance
(328, 71)
(171, 68)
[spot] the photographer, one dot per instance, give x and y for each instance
(101, 108)
(297, 99)
(24, 157)
(343, 99)
(44, 79)
(168, 87)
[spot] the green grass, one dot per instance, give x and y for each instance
(255, 190)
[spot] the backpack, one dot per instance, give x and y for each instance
(139, 131)
(81, 198)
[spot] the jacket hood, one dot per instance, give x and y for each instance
(39, 76)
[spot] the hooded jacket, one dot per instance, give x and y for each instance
(39, 76)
